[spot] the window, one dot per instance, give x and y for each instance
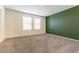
(27, 23)
(37, 23)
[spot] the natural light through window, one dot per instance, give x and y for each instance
(27, 23)
(37, 23)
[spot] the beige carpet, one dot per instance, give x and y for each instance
(43, 43)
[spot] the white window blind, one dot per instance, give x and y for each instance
(37, 23)
(27, 23)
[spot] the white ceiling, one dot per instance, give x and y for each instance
(42, 10)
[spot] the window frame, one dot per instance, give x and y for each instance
(26, 22)
(39, 23)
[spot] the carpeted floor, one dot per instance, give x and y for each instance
(42, 43)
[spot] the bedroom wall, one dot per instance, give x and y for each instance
(2, 23)
(65, 23)
(14, 24)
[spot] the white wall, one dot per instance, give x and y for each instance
(2, 23)
(14, 24)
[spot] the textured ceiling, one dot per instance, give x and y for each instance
(42, 10)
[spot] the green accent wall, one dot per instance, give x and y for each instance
(65, 23)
